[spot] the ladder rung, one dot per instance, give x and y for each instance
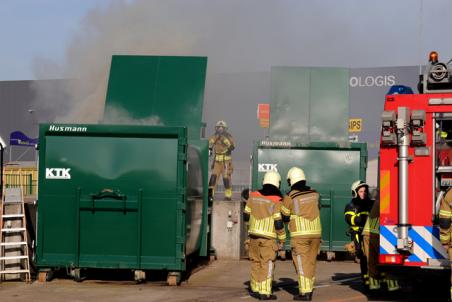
(13, 243)
(13, 257)
(11, 230)
(15, 271)
(13, 202)
(13, 216)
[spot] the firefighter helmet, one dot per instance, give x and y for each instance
(221, 124)
(272, 178)
(295, 175)
(356, 185)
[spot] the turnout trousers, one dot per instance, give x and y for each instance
(304, 255)
(262, 253)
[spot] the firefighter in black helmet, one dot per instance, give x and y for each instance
(356, 213)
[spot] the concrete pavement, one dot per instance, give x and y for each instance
(219, 281)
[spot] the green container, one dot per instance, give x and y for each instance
(330, 169)
(124, 197)
(129, 197)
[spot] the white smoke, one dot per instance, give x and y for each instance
(116, 115)
(122, 28)
(237, 36)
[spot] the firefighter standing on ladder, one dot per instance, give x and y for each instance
(220, 145)
(445, 216)
(356, 213)
(263, 211)
(301, 210)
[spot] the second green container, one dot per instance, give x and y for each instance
(330, 169)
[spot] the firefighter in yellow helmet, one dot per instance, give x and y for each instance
(356, 213)
(302, 211)
(263, 211)
(371, 247)
(221, 145)
(445, 230)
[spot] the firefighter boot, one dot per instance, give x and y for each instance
(374, 294)
(366, 281)
(254, 294)
(303, 297)
(267, 297)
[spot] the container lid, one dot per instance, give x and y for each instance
(309, 104)
(156, 90)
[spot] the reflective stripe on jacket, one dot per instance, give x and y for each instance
(356, 213)
(445, 216)
(372, 225)
(265, 218)
(303, 210)
(222, 145)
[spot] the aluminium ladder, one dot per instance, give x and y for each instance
(14, 257)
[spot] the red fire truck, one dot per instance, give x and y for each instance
(415, 171)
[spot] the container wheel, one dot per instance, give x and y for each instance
(45, 276)
(76, 273)
(173, 278)
(282, 255)
(139, 276)
(330, 256)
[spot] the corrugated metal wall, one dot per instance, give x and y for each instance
(25, 177)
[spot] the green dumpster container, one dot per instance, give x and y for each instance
(330, 169)
(124, 197)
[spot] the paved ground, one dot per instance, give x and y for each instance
(219, 281)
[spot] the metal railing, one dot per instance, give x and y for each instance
(25, 181)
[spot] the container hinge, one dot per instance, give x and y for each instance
(182, 154)
(182, 141)
(180, 255)
(181, 206)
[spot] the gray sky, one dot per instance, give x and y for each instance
(237, 35)
(38, 28)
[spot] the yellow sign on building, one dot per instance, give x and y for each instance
(355, 125)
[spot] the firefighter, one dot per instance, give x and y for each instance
(371, 246)
(263, 212)
(445, 216)
(356, 213)
(221, 145)
(302, 212)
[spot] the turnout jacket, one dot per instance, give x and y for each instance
(264, 216)
(445, 216)
(301, 210)
(356, 213)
